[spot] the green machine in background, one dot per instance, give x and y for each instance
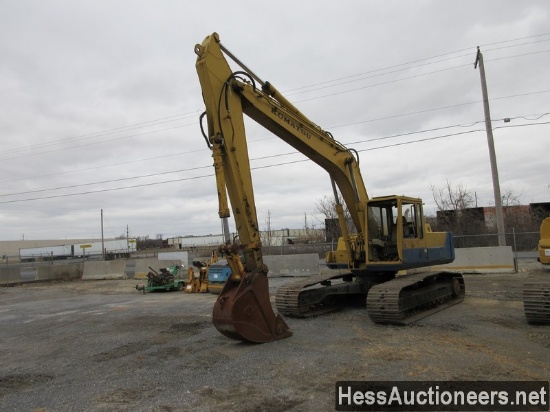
(169, 278)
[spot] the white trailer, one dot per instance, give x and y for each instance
(114, 248)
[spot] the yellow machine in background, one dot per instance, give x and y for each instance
(194, 281)
(390, 232)
(536, 288)
(198, 283)
(544, 242)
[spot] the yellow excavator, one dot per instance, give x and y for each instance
(198, 283)
(390, 234)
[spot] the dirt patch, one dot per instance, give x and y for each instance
(119, 352)
(15, 383)
(248, 399)
(188, 328)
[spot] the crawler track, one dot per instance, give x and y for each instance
(398, 301)
(316, 295)
(409, 298)
(536, 300)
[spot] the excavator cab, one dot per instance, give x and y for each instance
(399, 239)
(384, 224)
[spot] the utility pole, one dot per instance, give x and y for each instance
(492, 155)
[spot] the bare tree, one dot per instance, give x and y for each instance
(517, 217)
(452, 198)
(326, 206)
(509, 198)
(457, 211)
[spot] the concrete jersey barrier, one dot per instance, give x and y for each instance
(497, 259)
(292, 265)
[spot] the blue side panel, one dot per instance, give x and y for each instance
(420, 257)
(218, 274)
(413, 258)
(430, 256)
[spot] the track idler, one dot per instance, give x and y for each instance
(243, 311)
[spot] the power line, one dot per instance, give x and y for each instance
(147, 159)
(187, 115)
(331, 127)
(381, 84)
(326, 85)
(438, 108)
(99, 142)
(538, 116)
(122, 179)
(410, 78)
(105, 190)
(424, 60)
(426, 139)
(519, 125)
(103, 133)
(252, 168)
(181, 117)
(323, 85)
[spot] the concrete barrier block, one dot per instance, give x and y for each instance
(69, 271)
(498, 259)
(292, 265)
(176, 256)
(130, 269)
(98, 270)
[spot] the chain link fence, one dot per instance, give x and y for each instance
(519, 241)
(12, 267)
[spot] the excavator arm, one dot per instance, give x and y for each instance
(228, 96)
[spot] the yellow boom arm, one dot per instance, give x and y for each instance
(227, 97)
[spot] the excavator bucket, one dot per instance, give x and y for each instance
(243, 311)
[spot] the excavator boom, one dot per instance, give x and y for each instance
(243, 310)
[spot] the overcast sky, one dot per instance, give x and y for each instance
(100, 101)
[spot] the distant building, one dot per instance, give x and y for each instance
(55, 249)
(485, 217)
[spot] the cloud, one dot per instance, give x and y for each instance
(99, 106)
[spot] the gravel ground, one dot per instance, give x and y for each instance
(102, 346)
